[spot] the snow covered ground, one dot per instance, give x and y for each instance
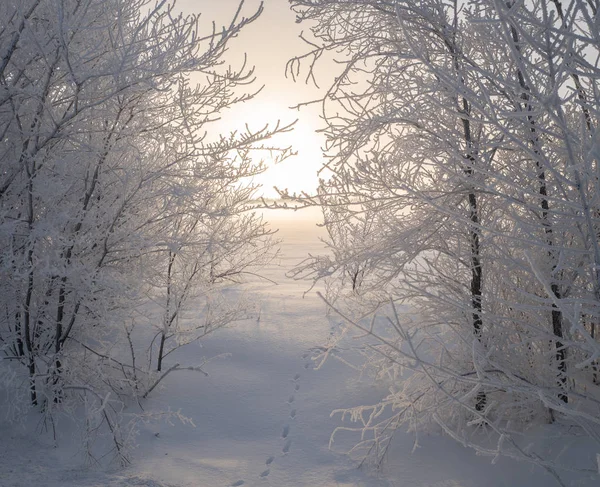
(262, 415)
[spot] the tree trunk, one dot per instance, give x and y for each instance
(557, 318)
(161, 350)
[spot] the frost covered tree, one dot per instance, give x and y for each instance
(115, 193)
(463, 135)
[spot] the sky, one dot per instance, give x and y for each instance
(269, 43)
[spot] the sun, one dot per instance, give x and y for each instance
(298, 173)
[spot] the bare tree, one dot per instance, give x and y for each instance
(114, 191)
(464, 134)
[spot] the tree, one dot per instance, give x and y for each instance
(463, 133)
(113, 191)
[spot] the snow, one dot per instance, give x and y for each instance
(262, 415)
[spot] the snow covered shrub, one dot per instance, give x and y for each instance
(464, 135)
(114, 195)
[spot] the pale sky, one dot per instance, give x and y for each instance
(269, 42)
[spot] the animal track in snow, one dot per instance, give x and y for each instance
(285, 432)
(286, 447)
(238, 483)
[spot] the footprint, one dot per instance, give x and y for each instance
(291, 399)
(305, 355)
(306, 366)
(297, 376)
(238, 483)
(297, 387)
(286, 431)
(293, 413)
(287, 446)
(269, 460)
(265, 473)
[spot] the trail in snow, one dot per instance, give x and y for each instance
(262, 415)
(285, 432)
